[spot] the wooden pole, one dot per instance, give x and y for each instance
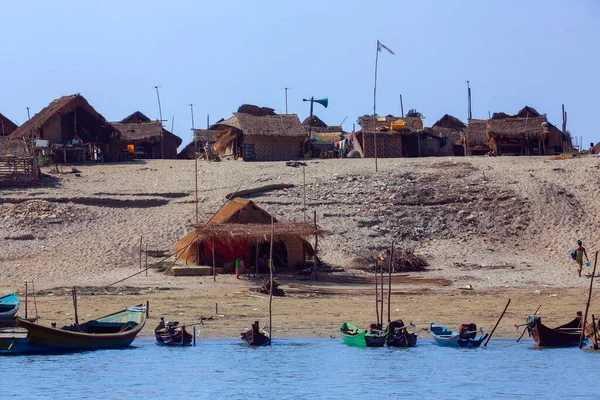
(304, 189)
(376, 291)
(381, 306)
(587, 307)
(194, 331)
(595, 346)
(75, 305)
(147, 308)
(390, 282)
(401, 107)
(316, 244)
(146, 253)
(141, 236)
(26, 293)
(214, 260)
(34, 300)
(271, 277)
(495, 326)
(196, 180)
(525, 330)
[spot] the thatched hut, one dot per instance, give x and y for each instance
(518, 136)
(377, 132)
(18, 164)
(262, 137)
(149, 138)
(450, 130)
(476, 140)
(241, 228)
(66, 117)
(6, 126)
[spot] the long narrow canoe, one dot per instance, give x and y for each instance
(9, 305)
(109, 332)
(466, 337)
(566, 335)
(353, 336)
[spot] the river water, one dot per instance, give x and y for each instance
(306, 369)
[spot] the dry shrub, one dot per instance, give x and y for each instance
(265, 288)
(404, 260)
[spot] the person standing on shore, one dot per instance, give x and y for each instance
(579, 253)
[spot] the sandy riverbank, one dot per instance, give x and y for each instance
(505, 226)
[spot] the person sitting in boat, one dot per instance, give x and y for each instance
(161, 324)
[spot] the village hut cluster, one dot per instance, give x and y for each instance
(70, 130)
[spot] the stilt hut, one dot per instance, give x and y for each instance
(241, 228)
(6, 126)
(66, 117)
(148, 139)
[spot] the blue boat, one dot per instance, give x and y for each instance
(9, 305)
(465, 337)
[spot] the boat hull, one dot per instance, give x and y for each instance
(179, 338)
(9, 305)
(254, 337)
(567, 335)
(353, 336)
(399, 336)
(443, 336)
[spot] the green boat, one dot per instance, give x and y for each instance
(353, 336)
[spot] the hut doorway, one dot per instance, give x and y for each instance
(410, 145)
(280, 255)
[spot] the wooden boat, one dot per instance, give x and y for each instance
(592, 332)
(172, 334)
(399, 336)
(109, 332)
(256, 337)
(465, 337)
(567, 335)
(9, 305)
(354, 336)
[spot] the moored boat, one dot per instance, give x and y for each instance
(399, 336)
(354, 336)
(465, 337)
(113, 331)
(172, 334)
(567, 335)
(255, 336)
(9, 305)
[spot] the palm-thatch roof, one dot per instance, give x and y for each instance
(370, 124)
(328, 137)
(6, 126)
(144, 131)
(137, 116)
(500, 115)
(240, 211)
(476, 135)
(206, 135)
(527, 112)
(255, 110)
(518, 128)
(232, 233)
(62, 106)
(316, 122)
(269, 125)
(450, 122)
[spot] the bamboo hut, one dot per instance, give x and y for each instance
(241, 228)
(62, 119)
(6, 126)
(518, 136)
(476, 140)
(18, 163)
(260, 136)
(390, 143)
(148, 138)
(451, 130)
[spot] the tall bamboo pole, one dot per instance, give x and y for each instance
(26, 293)
(75, 305)
(376, 291)
(587, 307)
(495, 326)
(271, 277)
(381, 270)
(34, 300)
(390, 281)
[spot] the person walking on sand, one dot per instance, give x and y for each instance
(579, 253)
(240, 266)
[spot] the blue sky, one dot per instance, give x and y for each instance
(221, 54)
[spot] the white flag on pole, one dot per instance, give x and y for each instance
(381, 45)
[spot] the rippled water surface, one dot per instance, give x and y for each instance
(305, 369)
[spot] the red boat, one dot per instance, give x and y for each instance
(567, 335)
